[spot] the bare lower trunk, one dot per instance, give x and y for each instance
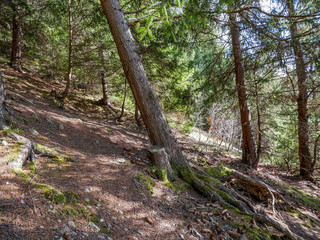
(15, 61)
(137, 117)
(248, 146)
(259, 135)
(306, 161)
(105, 100)
(124, 100)
(69, 76)
(2, 101)
(152, 115)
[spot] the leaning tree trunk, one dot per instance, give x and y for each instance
(156, 124)
(15, 61)
(69, 76)
(306, 161)
(2, 101)
(248, 147)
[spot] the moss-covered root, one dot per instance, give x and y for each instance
(277, 225)
(229, 195)
(207, 189)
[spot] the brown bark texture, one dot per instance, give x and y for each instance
(306, 161)
(2, 102)
(248, 146)
(156, 124)
(15, 61)
(105, 100)
(69, 76)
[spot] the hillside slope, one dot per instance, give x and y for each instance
(93, 179)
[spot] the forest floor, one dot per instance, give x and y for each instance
(100, 184)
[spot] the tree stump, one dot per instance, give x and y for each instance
(160, 159)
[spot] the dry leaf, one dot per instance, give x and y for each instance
(191, 210)
(127, 149)
(148, 220)
(130, 153)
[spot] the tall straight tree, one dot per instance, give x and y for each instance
(157, 126)
(306, 161)
(248, 146)
(15, 61)
(2, 101)
(69, 75)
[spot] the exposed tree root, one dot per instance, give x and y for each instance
(229, 198)
(26, 152)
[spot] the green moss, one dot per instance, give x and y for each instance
(148, 183)
(45, 149)
(180, 187)
(60, 158)
(218, 172)
(58, 197)
(14, 152)
(32, 167)
(70, 210)
(42, 186)
(305, 198)
(187, 174)
(22, 175)
(7, 131)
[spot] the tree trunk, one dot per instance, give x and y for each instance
(105, 100)
(306, 161)
(248, 146)
(69, 76)
(2, 101)
(124, 100)
(157, 126)
(15, 61)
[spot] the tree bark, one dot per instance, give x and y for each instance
(156, 124)
(15, 61)
(160, 159)
(105, 100)
(248, 146)
(2, 102)
(306, 161)
(69, 76)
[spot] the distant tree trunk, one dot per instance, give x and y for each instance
(2, 99)
(69, 76)
(15, 61)
(248, 146)
(152, 115)
(259, 135)
(306, 161)
(105, 100)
